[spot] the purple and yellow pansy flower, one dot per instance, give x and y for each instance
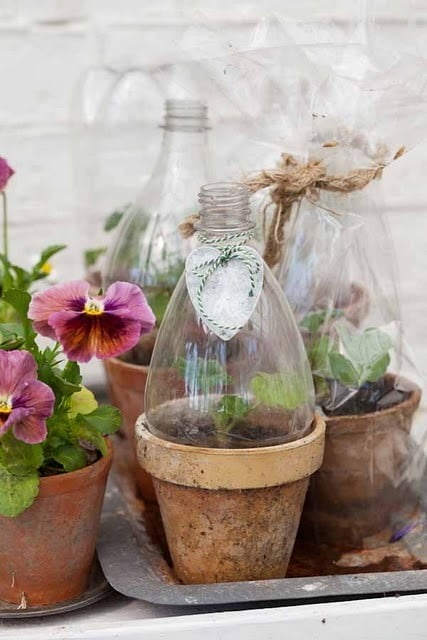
(25, 402)
(88, 326)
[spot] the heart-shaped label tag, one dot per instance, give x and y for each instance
(224, 292)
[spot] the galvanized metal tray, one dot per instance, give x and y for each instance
(98, 589)
(137, 566)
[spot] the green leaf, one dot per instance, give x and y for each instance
(91, 256)
(229, 411)
(70, 456)
(315, 319)
(19, 457)
(105, 420)
(83, 402)
(278, 390)
(54, 378)
(377, 369)
(17, 493)
(318, 355)
(203, 375)
(20, 301)
(11, 336)
(365, 348)
(23, 278)
(343, 370)
(114, 218)
(83, 432)
(71, 373)
(46, 255)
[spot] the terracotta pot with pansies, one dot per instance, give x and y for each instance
(54, 450)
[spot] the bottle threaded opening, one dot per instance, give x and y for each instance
(186, 115)
(224, 206)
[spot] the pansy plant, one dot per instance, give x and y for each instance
(49, 422)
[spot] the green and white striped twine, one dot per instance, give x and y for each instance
(236, 250)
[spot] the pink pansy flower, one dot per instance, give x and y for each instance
(6, 172)
(25, 403)
(87, 326)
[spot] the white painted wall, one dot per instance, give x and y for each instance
(47, 45)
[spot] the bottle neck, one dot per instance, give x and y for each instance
(225, 212)
(184, 145)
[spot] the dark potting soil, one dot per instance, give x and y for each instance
(177, 422)
(371, 397)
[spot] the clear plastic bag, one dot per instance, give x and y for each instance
(347, 113)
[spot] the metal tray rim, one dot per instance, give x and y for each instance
(127, 568)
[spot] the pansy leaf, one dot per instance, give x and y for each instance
(11, 336)
(105, 420)
(17, 492)
(20, 301)
(70, 456)
(84, 434)
(53, 376)
(19, 457)
(71, 373)
(23, 278)
(48, 253)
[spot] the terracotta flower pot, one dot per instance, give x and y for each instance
(126, 388)
(230, 514)
(363, 478)
(46, 553)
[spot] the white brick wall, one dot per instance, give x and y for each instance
(45, 47)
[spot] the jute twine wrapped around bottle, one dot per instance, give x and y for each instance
(289, 183)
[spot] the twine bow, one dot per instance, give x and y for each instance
(289, 183)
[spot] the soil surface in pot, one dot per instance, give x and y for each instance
(261, 427)
(371, 397)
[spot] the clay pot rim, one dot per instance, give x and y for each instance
(412, 400)
(211, 468)
(72, 480)
(127, 365)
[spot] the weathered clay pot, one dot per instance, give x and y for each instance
(363, 478)
(126, 388)
(230, 514)
(46, 552)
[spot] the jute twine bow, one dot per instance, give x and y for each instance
(289, 183)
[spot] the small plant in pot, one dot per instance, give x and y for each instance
(54, 451)
(362, 489)
(229, 433)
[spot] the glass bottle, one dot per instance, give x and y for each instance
(148, 248)
(253, 388)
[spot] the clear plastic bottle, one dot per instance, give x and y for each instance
(251, 389)
(148, 249)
